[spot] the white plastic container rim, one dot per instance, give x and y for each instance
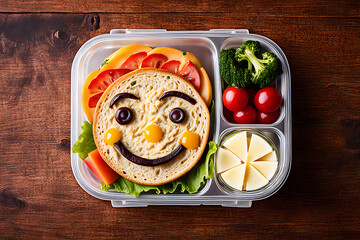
(210, 194)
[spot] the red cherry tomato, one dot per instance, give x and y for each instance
(252, 94)
(229, 115)
(134, 61)
(235, 98)
(172, 66)
(246, 115)
(154, 60)
(267, 100)
(190, 73)
(267, 118)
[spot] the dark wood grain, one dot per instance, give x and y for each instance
(39, 197)
(285, 8)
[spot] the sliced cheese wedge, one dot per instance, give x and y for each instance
(258, 147)
(268, 157)
(235, 176)
(226, 160)
(266, 168)
(170, 53)
(238, 145)
(205, 86)
(254, 179)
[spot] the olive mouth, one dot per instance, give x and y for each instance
(145, 161)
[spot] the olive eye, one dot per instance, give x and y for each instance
(177, 115)
(123, 115)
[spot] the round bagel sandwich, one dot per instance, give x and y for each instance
(151, 126)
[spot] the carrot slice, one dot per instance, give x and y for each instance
(100, 168)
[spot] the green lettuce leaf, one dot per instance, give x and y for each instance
(190, 182)
(85, 143)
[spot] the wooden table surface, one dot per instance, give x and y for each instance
(39, 197)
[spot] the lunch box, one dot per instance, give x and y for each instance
(206, 46)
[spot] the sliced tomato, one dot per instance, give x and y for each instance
(172, 66)
(115, 60)
(134, 61)
(105, 79)
(100, 168)
(190, 73)
(102, 81)
(94, 99)
(155, 60)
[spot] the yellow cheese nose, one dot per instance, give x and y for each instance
(153, 133)
(190, 140)
(112, 135)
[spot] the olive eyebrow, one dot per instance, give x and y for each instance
(179, 95)
(119, 96)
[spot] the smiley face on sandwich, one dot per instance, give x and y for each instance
(151, 126)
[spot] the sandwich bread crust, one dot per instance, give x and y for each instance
(148, 85)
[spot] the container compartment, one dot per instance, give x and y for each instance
(278, 139)
(279, 83)
(90, 57)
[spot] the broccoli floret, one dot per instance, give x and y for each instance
(231, 71)
(241, 76)
(271, 70)
(265, 69)
(227, 59)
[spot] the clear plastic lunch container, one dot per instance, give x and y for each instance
(206, 46)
